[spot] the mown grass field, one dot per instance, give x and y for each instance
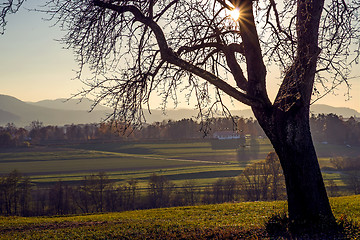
(221, 221)
(178, 160)
(122, 161)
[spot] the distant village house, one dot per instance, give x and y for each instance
(222, 135)
(227, 140)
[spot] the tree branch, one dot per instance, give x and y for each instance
(170, 56)
(223, 3)
(235, 68)
(6, 9)
(254, 60)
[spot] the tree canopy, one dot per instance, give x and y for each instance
(140, 48)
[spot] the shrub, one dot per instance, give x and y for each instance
(278, 226)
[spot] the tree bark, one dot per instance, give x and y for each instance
(289, 132)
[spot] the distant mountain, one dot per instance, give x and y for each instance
(22, 113)
(68, 104)
(8, 117)
(178, 114)
(246, 113)
(62, 112)
(154, 115)
(340, 111)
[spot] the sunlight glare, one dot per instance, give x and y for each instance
(235, 14)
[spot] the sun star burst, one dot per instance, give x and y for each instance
(235, 14)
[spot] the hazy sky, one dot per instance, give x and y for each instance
(34, 66)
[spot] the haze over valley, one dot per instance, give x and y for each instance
(62, 111)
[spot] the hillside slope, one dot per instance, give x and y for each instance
(23, 114)
(62, 112)
(8, 117)
(340, 111)
(68, 104)
(222, 221)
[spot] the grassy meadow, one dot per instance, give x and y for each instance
(177, 160)
(220, 221)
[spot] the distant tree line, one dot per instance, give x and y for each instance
(334, 129)
(37, 133)
(99, 193)
(325, 128)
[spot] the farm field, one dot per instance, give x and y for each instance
(177, 160)
(241, 220)
(122, 161)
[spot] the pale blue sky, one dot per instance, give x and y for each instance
(34, 66)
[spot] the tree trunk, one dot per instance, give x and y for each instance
(286, 123)
(289, 132)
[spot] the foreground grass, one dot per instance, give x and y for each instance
(222, 221)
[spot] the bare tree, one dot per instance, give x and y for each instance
(190, 192)
(263, 180)
(353, 181)
(276, 175)
(255, 181)
(332, 188)
(136, 48)
(160, 191)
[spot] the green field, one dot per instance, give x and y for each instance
(221, 221)
(178, 160)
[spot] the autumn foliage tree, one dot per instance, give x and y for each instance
(138, 48)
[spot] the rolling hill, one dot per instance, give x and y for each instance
(340, 111)
(69, 104)
(62, 112)
(22, 113)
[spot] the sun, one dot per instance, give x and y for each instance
(235, 14)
